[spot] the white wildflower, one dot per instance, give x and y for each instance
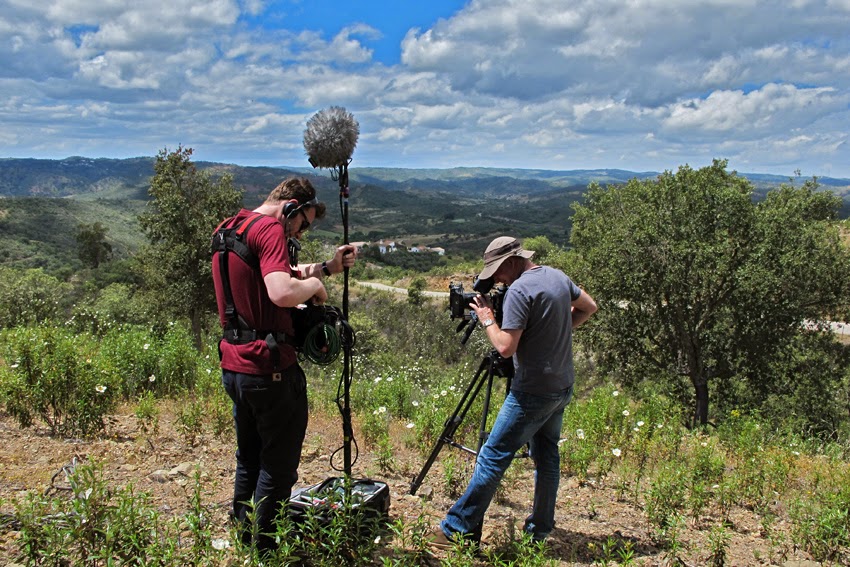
(659, 426)
(626, 412)
(444, 393)
(389, 378)
(15, 365)
(382, 409)
(580, 433)
(100, 388)
(615, 393)
(415, 403)
(152, 378)
(146, 346)
(616, 452)
(796, 453)
(220, 544)
(378, 379)
(377, 540)
(704, 444)
(410, 425)
(640, 424)
(636, 429)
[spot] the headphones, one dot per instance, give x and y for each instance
(290, 209)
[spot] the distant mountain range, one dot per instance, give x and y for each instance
(123, 178)
(458, 209)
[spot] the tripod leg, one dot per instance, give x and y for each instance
(482, 431)
(452, 423)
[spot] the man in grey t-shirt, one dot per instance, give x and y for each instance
(542, 306)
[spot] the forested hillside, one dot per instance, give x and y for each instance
(458, 209)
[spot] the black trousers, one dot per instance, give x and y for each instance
(270, 415)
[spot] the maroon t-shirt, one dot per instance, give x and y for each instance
(267, 241)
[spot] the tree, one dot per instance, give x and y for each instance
(697, 283)
(415, 289)
(185, 207)
(93, 247)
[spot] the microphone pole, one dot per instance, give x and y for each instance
(347, 429)
(329, 141)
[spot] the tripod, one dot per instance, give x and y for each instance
(492, 365)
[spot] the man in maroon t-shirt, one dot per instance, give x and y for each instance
(268, 388)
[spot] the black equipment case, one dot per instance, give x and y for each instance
(370, 496)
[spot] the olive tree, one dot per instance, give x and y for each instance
(93, 249)
(185, 207)
(698, 283)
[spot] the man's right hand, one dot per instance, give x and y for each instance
(321, 296)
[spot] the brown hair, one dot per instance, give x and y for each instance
(298, 188)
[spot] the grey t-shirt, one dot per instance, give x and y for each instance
(539, 302)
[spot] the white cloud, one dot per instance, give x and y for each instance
(773, 107)
(392, 134)
(647, 84)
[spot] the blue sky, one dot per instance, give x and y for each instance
(549, 84)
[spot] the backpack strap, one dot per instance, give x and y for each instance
(237, 331)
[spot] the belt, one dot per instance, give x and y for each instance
(244, 336)
(273, 340)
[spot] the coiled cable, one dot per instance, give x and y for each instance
(322, 344)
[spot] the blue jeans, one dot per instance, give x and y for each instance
(524, 418)
(270, 415)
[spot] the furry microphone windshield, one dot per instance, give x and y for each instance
(330, 137)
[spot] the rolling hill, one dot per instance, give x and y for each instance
(459, 209)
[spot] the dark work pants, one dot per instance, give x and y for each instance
(270, 415)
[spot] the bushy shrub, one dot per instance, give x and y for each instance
(131, 352)
(177, 360)
(56, 376)
(30, 297)
(113, 306)
(142, 360)
(822, 517)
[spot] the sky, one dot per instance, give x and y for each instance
(641, 85)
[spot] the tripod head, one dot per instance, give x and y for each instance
(500, 366)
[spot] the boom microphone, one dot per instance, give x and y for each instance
(330, 137)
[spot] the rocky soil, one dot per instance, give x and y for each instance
(587, 516)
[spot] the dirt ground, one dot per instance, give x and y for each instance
(587, 515)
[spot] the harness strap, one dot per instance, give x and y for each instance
(236, 330)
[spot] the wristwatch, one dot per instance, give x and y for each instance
(487, 322)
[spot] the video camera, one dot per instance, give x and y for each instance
(459, 301)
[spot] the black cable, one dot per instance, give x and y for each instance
(348, 339)
(322, 344)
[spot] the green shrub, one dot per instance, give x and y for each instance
(177, 361)
(56, 376)
(100, 525)
(113, 306)
(29, 297)
(822, 517)
(131, 352)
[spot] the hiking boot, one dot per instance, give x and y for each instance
(438, 539)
